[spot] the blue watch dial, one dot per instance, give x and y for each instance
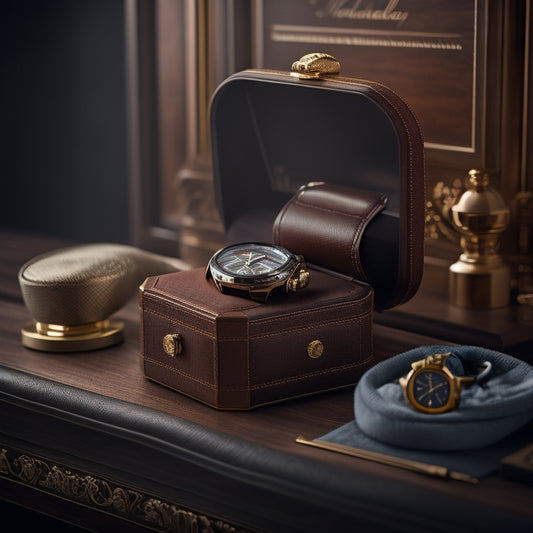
(431, 389)
(251, 259)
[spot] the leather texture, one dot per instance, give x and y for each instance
(240, 354)
(272, 133)
(87, 283)
(326, 223)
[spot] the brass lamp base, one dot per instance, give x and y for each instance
(58, 338)
(479, 286)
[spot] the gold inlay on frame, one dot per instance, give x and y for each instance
(103, 495)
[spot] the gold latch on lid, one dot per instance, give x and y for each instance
(315, 66)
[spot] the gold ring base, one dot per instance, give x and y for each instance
(55, 338)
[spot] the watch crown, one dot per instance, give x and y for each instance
(303, 278)
(300, 281)
(437, 359)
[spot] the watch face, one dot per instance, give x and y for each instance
(251, 260)
(431, 389)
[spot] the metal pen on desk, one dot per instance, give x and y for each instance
(399, 462)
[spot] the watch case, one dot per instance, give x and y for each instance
(329, 168)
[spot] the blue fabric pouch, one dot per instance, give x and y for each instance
(472, 438)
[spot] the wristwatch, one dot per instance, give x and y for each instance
(431, 386)
(256, 269)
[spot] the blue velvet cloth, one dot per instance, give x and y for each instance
(484, 426)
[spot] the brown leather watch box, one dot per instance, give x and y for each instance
(359, 224)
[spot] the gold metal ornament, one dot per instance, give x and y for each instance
(172, 344)
(390, 460)
(60, 338)
(315, 66)
(89, 490)
(300, 281)
(480, 279)
(72, 292)
(315, 349)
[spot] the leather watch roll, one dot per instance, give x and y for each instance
(325, 223)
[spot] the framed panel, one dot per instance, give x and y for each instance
(457, 64)
(430, 60)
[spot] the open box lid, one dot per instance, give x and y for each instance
(272, 133)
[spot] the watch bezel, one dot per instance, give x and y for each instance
(410, 396)
(278, 274)
(258, 286)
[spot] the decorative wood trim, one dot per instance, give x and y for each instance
(177, 53)
(486, 36)
(172, 205)
(103, 495)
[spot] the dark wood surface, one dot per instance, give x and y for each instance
(116, 372)
(497, 329)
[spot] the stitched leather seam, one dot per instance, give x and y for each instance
(278, 223)
(248, 376)
(298, 201)
(264, 321)
(410, 170)
(214, 357)
(305, 312)
(266, 384)
(404, 115)
(307, 327)
(356, 256)
(363, 218)
(180, 372)
(251, 305)
(261, 320)
(316, 373)
(160, 302)
(180, 323)
(273, 382)
(170, 305)
(273, 320)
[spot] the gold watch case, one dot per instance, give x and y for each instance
(256, 269)
(431, 387)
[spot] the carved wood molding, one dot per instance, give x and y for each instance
(103, 495)
(177, 53)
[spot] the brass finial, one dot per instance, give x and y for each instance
(479, 278)
(479, 179)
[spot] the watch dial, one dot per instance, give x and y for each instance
(251, 259)
(431, 389)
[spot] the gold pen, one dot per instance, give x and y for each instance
(407, 464)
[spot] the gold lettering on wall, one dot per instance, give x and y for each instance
(425, 50)
(362, 10)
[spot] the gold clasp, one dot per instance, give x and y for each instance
(315, 66)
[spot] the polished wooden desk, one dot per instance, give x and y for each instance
(86, 438)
